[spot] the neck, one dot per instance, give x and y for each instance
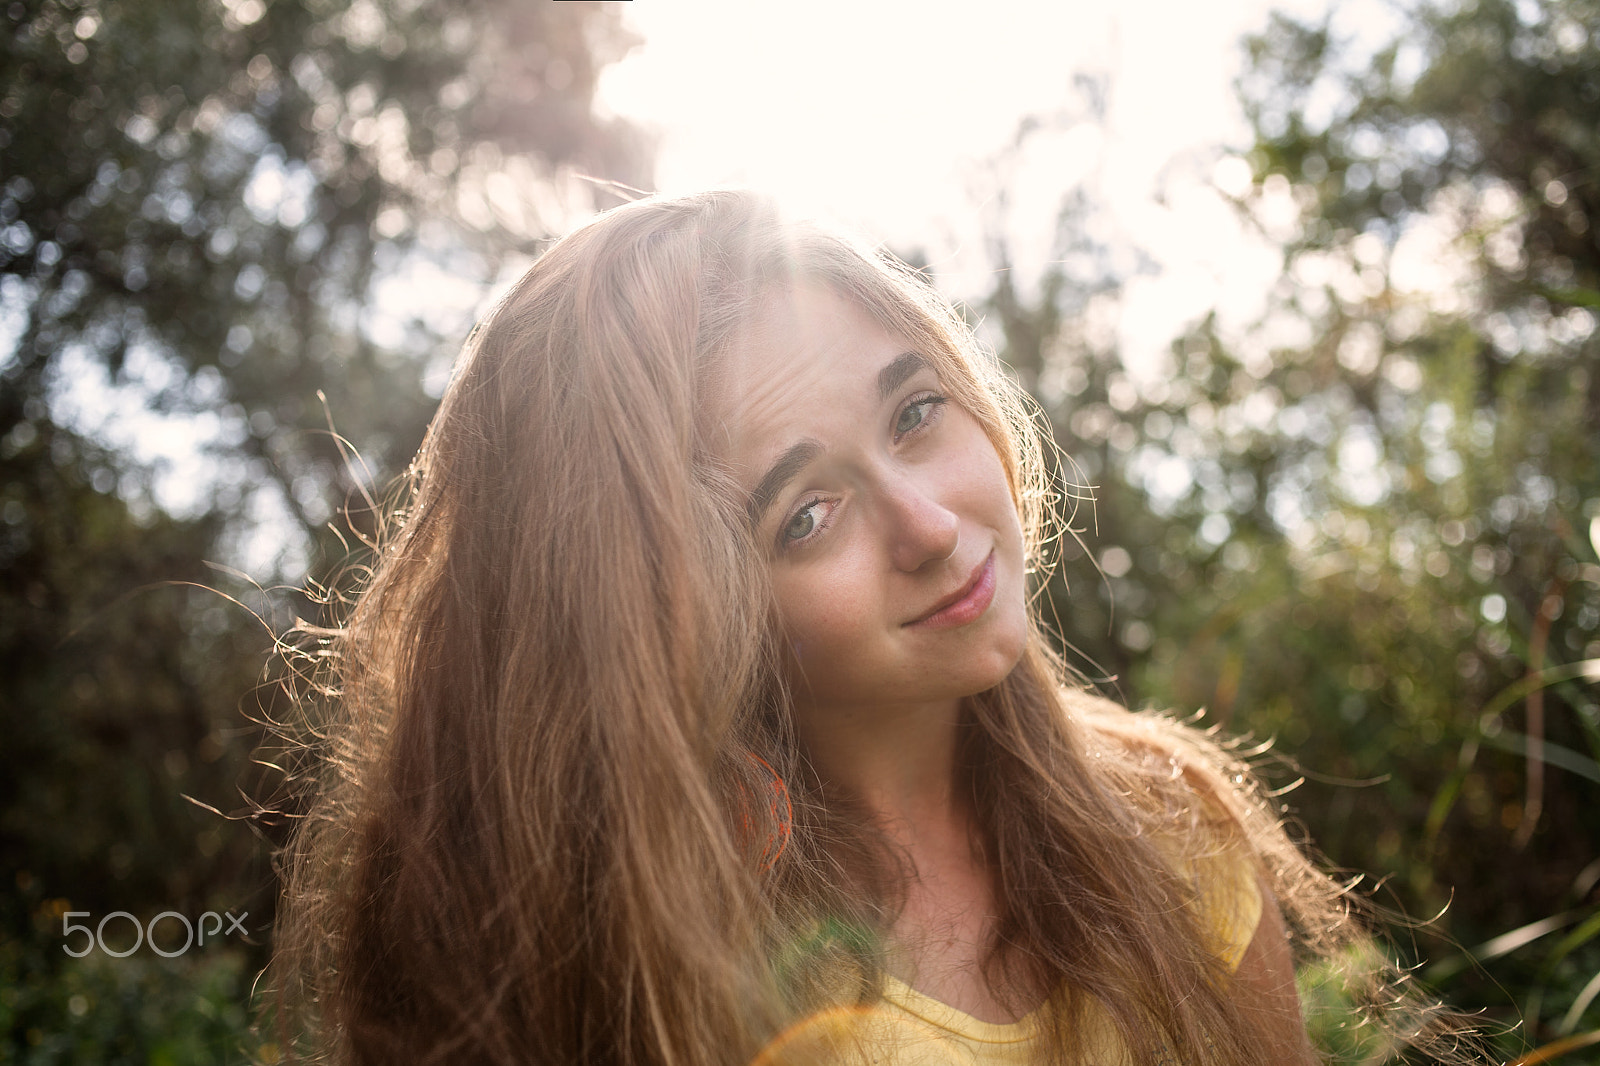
(898, 761)
(902, 764)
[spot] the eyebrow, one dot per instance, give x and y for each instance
(902, 367)
(791, 462)
(800, 455)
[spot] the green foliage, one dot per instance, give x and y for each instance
(205, 206)
(187, 1011)
(1327, 999)
(1367, 527)
(238, 180)
(123, 683)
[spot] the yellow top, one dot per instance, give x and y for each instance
(907, 1028)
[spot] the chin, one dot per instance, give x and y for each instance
(1009, 664)
(997, 665)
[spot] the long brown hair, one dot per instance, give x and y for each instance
(562, 816)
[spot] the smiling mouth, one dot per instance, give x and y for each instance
(966, 604)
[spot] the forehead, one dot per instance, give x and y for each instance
(806, 365)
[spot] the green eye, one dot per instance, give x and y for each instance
(806, 524)
(914, 414)
(801, 525)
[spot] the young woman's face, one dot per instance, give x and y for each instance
(883, 510)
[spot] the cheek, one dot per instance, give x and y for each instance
(987, 491)
(827, 617)
(817, 608)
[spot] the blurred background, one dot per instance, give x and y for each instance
(1309, 293)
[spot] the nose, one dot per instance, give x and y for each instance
(921, 529)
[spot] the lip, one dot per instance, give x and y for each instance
(966, 604)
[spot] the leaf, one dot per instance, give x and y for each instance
(1551, 1052)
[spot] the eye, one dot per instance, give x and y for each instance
(807, 522)
(917, 414)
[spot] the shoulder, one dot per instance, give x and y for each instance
(1170, 769)
(1197, 800)
(1228, 901)
(1145, 734)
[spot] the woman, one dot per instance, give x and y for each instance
(697, 710)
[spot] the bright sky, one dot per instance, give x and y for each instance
(881, 113)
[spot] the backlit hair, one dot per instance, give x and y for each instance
(563, 817)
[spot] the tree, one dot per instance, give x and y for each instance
(215, 212)
(1476, 390)
(1366, 527)
(237, 179)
